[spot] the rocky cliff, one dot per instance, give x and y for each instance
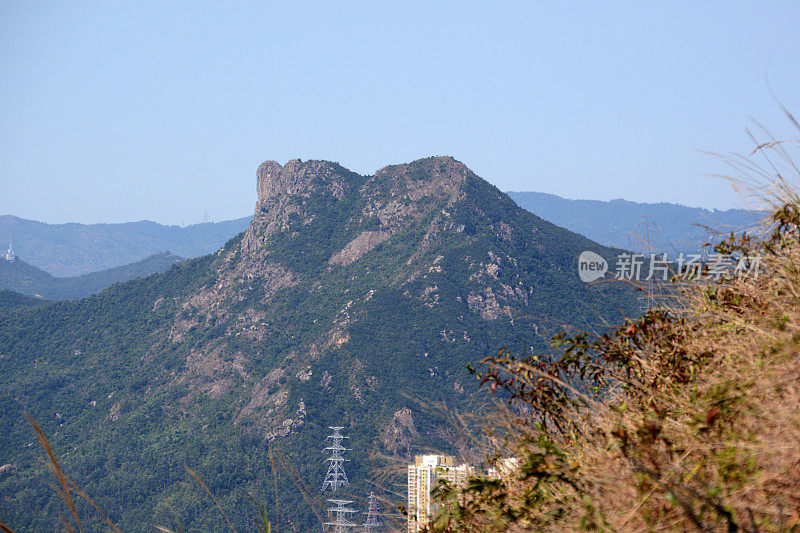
(350, 300)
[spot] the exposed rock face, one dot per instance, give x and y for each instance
(487, 305)
(281, 190)
(435, 176)
(399, 435)
(268, 394)
(297, 178)
(439, 248)
(366, 241)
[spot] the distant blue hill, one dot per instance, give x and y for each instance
(24, 279)
(669, 228)
(76, 249)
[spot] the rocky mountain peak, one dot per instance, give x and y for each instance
(287, 192)
(283, 191)
(434, 165)
(442, 176)
(334, 262)
(297, 178)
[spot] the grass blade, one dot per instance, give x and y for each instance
(77, 490)
(275, 480)
(263, 512)
(60, 477)
(202, 484)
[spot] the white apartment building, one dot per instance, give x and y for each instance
(422, 478)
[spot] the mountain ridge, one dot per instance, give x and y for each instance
(26, 279)
(350, 300)
(73, 249)
(670, 228)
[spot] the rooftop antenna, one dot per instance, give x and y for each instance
(342, 510)
(371, 523)
(336, 476)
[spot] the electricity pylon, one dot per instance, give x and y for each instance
(341, 512)
(336, 476)
(335, 479)
(371, 522)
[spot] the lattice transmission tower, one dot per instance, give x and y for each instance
(371, 522)
(341, 512)
(336, 477)
(647, 300)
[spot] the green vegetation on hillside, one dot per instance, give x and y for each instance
(11, 299)
(221, 358)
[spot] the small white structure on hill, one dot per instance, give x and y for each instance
(10, 257)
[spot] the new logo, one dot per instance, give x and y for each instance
(591, 266)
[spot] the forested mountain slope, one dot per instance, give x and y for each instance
(349, 300)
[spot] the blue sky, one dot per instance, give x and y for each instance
(115, 111)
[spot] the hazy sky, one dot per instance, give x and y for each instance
(163, 110)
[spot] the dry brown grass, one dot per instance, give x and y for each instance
(695, 421)
(719, 449)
